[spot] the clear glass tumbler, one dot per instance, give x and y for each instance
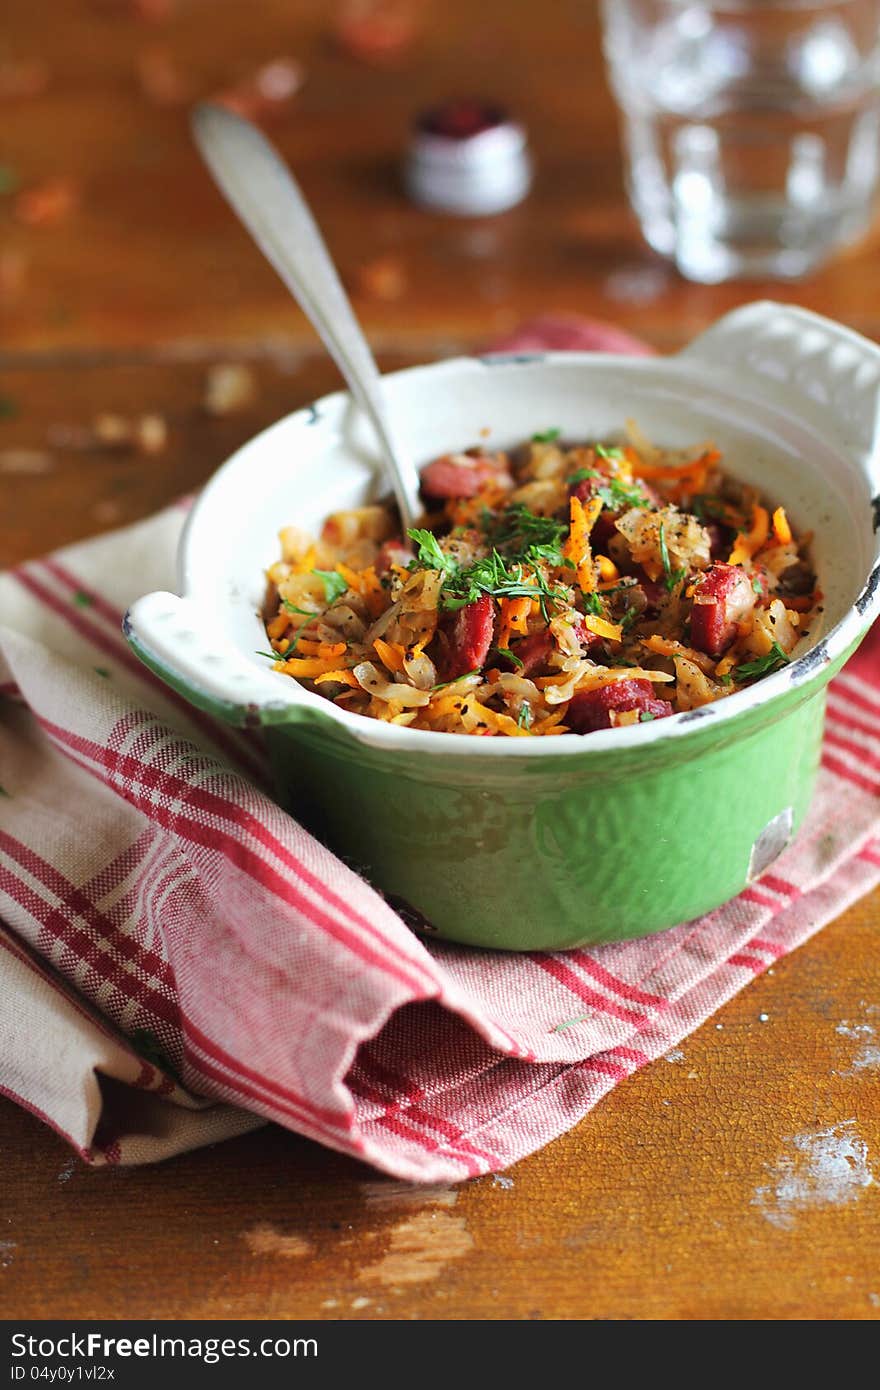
(751, 130)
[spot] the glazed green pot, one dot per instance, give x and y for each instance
(541, 844)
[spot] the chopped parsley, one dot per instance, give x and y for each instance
(500, 578)
(617, 495)
(581, 475)
(334, 584)
(757, 585)
(546, 436)
(645, 716)
(430, 554)
(524, 718)
(292, 608)
(593, 604)
(603, 451)
(775, 659)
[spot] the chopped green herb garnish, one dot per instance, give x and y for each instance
(604, 452)
(757, 585)
(430, 554)
(511, 656)
(292, 608)
(617, 495)
(645, 716)
(524, 718)
(500, 578)
(581, 476)
(546, 436)
(273, 656)
(775, 659)
(517, 530)
(334, 584)
(82, 599)
(593, 604)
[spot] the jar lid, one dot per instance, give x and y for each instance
(468, 158)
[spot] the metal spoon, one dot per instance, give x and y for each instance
(261, 189)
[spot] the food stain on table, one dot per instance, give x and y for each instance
(827, 1168)
(387, 1193)
(264, 1239)
(866, 1056)
(419, 1249)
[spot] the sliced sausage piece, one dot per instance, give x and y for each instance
(723, 598)
(463, 475)
(393, 552)
(590, 710)
(533, 652)
(470, 637)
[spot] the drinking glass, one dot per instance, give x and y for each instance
(751, 130)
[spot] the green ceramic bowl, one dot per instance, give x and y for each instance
(549, 843)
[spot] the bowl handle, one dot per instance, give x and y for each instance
(168, 634)
(827, 374)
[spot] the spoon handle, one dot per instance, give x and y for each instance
(259, 186)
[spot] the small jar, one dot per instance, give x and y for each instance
(469, 159)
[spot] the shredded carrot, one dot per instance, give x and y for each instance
(278, 626)
(551, 724)
(329, 651)
(307, 646)
(307, 563)
(307, 667)
(391, 654)
(682, 470)
(514, 615)
(374, 594)
(608, 571)
(613, 631)
(344, 677)
(749, 542)
(351, 577)
(781, 528)
(577, 547)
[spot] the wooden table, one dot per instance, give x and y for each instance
(651, 1208)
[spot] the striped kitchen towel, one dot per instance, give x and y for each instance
(180, 961)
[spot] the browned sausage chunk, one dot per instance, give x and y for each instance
(463, 475)
(590, 710)
(723, 598)
(470, 637)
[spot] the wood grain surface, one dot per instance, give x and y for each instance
(737, 1180)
